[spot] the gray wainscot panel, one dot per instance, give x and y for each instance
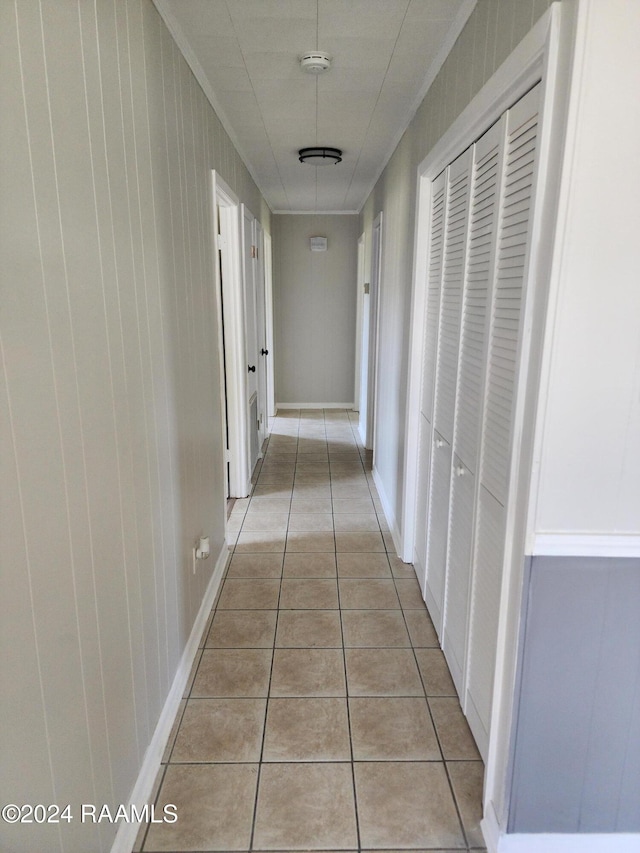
(577, 743)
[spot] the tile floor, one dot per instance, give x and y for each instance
(320, 714)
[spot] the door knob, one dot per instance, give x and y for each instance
(439, 442)
(252, 368)
(459, 470)
(264, 352)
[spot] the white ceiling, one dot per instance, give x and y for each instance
(245, 54)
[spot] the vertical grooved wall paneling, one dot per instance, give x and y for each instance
(110, 409)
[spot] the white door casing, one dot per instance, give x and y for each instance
(230, 303)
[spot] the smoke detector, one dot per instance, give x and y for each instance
(315, 62)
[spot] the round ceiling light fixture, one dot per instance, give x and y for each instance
(315, 62)
(320, 156)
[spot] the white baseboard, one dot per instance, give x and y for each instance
(556, 842)
(314, 406)
(579, 842)
(141, 794)
(389, 514)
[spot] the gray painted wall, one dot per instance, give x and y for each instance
(110, 422)
(314, 296)
(577, 742)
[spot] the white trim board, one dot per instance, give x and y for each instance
(586, 544)
(316, 212)
(387, 508)
(143, 788)
(314, 406)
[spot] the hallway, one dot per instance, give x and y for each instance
(320, 714)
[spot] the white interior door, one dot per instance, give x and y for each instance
(366, 422)
(251, 334)
(261, 333)
(360, 296)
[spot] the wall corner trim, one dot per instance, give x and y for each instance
(141, 793)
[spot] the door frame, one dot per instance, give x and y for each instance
(360, 283)
(536, 58)
(370, 326)
(230, 310)
(268, 310)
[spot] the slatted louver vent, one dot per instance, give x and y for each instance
(434, 280)
(457, 216)
(507, 303)
(484, 205)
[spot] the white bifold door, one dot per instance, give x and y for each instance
(478, 249)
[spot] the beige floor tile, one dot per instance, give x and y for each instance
(342, 506)
(368, 594)
(255, 566)
(309, 629)
(374, 629)
(307, 522)
(389, 543)
(309, 467)
(249, 594)
(382, 672)
(359, 542)
(309, 565)
(421, 630)
(307, 730)
(406, 804)
(409, 594)
(363, 565)
(312, 479)
(453, 731)
(467, 779)
(233, 672)
(341, 491)
(305, 807)
(309, 594)
(310, 505)
(216, 730)
(268, 505)
(273, 491)
(214, 803)
(356, 523)
(400, 569)
(275, 478)
(308, 672)
(310, 542)
(435, 673)
(392, 729)
(311, 491)
(258, 543)
(233, 629)
(260, 522)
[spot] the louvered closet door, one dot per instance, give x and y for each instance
(448, 342)
(429, 354)
(474, 327)
(496, 438)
